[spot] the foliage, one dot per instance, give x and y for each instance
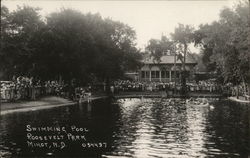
(67, 44)
(225, 44)
(157, 48)
(183, 36)
(17, 33)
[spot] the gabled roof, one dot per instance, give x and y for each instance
(169, 59)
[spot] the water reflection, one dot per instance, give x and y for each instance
(138, 128)
(228, 128)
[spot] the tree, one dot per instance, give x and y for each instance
(18, 31)
(121, 52)
(225, 44)
(4, 39)
(88, 44)
(183, 36)
(157, 48)
(69, 45)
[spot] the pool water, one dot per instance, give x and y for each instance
(138, 128)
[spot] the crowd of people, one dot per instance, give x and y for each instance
(205, 86)
(240, 90)
(24, 88)
(201, 86)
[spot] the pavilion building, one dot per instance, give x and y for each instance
(164, 70)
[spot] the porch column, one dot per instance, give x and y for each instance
(150, 75)
(160, 75)
(139, 77)
(170, 77)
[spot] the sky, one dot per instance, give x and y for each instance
(150, 19)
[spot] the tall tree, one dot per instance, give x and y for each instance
(4, 63)
(226, 47)
(183, 36)
(18, 32)
(157, 48)
(70, 45)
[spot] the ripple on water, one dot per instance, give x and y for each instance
(145, 128)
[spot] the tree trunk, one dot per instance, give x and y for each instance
(237, 92)
(248, 89)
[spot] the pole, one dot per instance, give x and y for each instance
(183, 75)
(174, 71)
(0, 99)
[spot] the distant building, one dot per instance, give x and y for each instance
(132, 75)
(163, 71)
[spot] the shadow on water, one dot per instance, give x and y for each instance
(136, 128)
(228, 128)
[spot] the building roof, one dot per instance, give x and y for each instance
(169, 59)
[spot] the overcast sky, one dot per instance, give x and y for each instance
(150, 19)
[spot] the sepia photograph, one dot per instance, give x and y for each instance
(125, 79)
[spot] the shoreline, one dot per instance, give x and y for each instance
(53, 101)
(44, 103)
(35, 108)
(238, 100)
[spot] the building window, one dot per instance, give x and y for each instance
(155, 74)
(164, 74)
(147, 74)
(143, 74)
(167, 74)
(177, 74)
